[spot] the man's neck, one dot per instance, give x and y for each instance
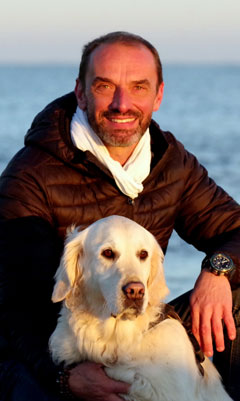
(121, 153)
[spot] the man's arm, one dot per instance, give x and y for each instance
(211, 304)
(211, 299)
(209, 219)
(29, 255)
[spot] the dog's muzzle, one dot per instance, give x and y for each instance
(134, 292)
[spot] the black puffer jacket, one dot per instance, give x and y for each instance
(50, 184)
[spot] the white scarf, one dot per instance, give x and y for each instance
(129, 177)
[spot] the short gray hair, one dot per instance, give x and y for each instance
(126, 38)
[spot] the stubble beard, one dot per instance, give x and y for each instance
(118, 137)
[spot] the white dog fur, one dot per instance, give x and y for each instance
(97, 324)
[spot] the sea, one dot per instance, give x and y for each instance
(201, 107)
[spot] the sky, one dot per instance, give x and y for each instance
(183, 31)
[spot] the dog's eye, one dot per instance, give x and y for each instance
(143, 254)
(108, 253)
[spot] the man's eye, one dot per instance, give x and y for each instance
(141, 87)
(139, 90)
(103, 88)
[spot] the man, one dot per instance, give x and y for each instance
(79, 164)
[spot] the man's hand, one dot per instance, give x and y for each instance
(211, 303)
(88, 381)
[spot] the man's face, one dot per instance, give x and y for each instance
(121, 92)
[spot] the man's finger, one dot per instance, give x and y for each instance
(230, 325)
(115, 397)
(217, 329)
(118, 387)
(205, 330)
(195, 323)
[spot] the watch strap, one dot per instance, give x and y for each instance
(63, 384)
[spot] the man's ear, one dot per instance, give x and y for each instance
(159, 96)
(80, 95)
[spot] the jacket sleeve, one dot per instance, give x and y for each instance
(208, 217)
(29, 255)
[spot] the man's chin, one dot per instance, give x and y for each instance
(121, 138)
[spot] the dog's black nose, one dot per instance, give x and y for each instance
(134, 290)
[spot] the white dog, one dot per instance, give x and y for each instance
(112, 282)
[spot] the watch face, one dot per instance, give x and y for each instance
(221, 262)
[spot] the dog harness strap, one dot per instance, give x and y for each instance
(169, 312)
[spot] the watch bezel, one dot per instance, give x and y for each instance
(221, 270)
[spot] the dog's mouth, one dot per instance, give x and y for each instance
(130, 312)
(135, 305)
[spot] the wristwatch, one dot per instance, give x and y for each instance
(219, 264)
(62, 377)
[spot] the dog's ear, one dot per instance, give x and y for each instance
(157, 287)
(69, 269)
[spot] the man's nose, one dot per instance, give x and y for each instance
(121, 101)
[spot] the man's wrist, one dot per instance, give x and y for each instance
(219, 264)
(62, 382)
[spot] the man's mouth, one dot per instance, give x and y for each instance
(122, 120)
(126, 118)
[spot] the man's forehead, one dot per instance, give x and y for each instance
(136, 58)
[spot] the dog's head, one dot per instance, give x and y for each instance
(114, 266)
